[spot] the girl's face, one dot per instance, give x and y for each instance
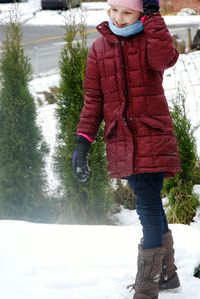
(122, 16)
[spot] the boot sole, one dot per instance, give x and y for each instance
(130, 287)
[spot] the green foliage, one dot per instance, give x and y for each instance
(196, 173)
(81, 203)
(22, 147)
(197, 272)
(183, 203)
(179, 189)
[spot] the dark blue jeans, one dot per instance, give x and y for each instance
(147, 189)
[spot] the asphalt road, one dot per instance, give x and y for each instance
(43, 44)
(37, 34)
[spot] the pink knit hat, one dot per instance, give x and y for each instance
(132, 4)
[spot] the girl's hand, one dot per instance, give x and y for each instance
(80, 160)
(150, 7)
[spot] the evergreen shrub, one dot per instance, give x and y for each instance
(22, 148)
(179, 190)
(87, 203)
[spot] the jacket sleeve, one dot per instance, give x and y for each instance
(161, 52)
(92, 113)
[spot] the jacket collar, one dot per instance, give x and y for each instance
(104, 29)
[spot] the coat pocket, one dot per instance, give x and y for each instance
(159, 123)
(110, 128)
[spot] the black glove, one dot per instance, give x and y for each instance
(80, 159)
(150, 7)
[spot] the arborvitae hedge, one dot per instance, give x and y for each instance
(22, 182)
(179, 190)
(81, 203)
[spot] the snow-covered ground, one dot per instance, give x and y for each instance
(45, 261)
(40, 261)
(186, 76)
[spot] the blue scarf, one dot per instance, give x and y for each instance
(127, 30)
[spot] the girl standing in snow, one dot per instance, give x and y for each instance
(123, 87)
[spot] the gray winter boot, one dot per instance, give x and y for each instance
(169, 278)
(148, 276)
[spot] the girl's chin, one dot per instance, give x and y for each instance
(120, 26)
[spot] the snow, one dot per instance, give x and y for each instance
(51, 261)
(48, 261)
(186, 76)
(32, 14)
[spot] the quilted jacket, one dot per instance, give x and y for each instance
(123, 88)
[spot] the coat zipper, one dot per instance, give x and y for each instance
(122, 52)
(123, 66)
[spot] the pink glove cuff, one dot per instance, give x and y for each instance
(86, 137)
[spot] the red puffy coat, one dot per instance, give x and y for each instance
(123, 87)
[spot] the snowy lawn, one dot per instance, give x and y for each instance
(41, 261)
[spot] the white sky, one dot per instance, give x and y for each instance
(39, 261)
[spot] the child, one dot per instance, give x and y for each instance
(123, 87)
